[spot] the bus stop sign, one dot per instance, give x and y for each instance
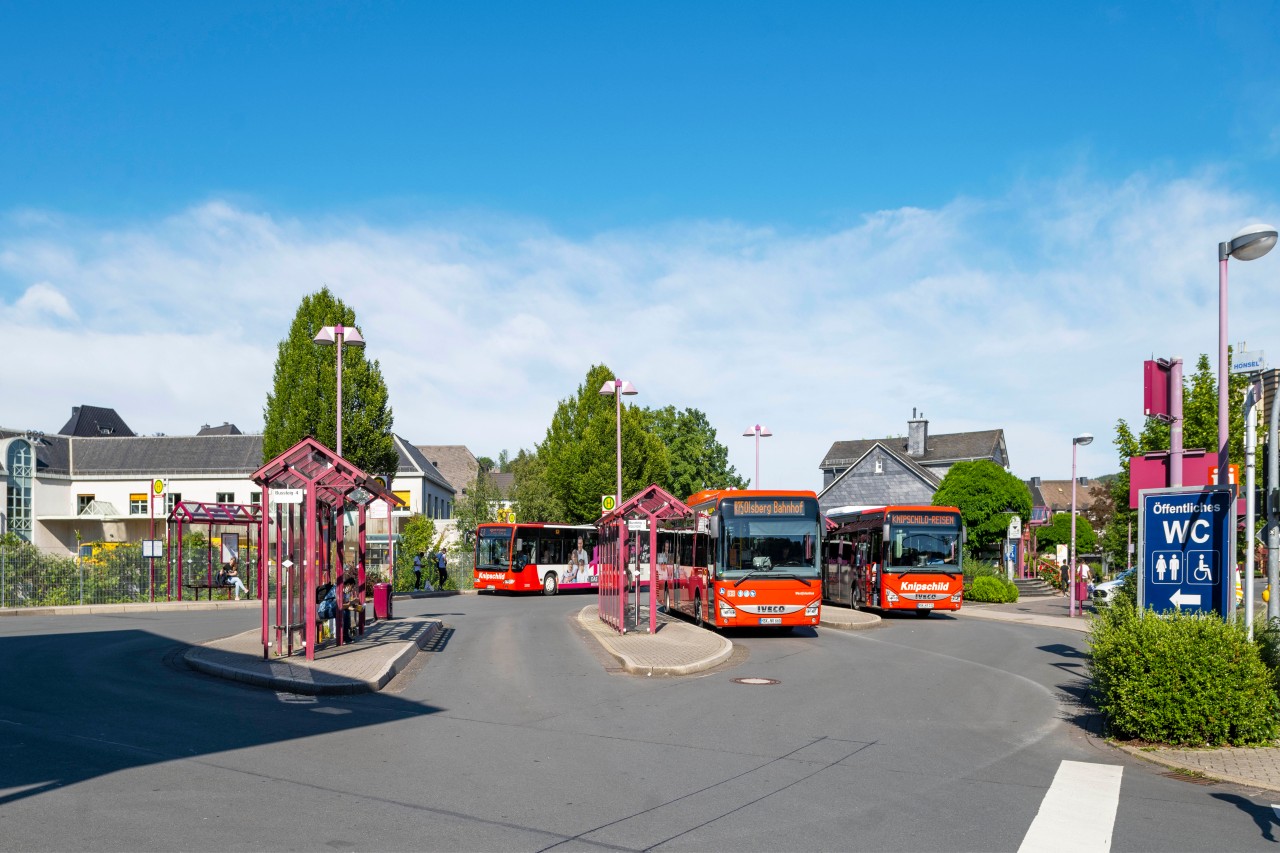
(1184, 544)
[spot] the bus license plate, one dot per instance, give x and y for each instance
(924, 605)
(770, 620)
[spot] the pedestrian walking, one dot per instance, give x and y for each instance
(442, 564)
(417, 570)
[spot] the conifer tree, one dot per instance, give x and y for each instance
(303, 399)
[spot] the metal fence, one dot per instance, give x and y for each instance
(30, 577)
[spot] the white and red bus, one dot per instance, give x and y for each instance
(526, 557)
(894, 558)
(748, 558)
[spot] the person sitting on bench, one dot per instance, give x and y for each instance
(231, 578)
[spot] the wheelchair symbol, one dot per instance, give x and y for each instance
(1202, 571)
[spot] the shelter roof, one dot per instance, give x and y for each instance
(335, 480)
(197, 512)
(654, 502)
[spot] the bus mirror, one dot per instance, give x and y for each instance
(519, 544)
(713, 526)
(886, 531)
(964, 534)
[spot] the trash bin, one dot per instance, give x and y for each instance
(382, 600)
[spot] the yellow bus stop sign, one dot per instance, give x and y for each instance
(157, 487)
(608, 503)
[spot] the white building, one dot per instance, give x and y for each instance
(92, 480)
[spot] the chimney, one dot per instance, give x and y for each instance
(1035, 481)
(917, 435)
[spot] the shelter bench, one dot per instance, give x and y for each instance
(196, 586)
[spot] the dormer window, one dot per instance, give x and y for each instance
(879, 466)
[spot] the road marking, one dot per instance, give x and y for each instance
(1078, 812)
(1276, 809)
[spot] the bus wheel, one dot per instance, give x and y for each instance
(697, 611)
(859, 598)
(924, 614)
(667, 604)
(549, 585)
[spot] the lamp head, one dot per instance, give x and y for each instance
(326, 337)
(618, 386)
(1083, 439)
(351, 336)
(1252, 242)
(762, 431)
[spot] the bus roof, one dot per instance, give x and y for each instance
(844, 513)
(714, 496)
(539, 524)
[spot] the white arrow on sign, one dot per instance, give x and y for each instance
(1178, 599)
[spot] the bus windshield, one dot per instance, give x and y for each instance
(770, 536)
(493, 548)
(924, 547)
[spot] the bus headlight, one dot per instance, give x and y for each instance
(890, 596)
(812, 609)
(727, 610)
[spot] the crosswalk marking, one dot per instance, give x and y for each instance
(1078, 811)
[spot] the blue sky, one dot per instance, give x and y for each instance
(990, 211)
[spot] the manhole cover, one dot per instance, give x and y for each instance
(756, 681)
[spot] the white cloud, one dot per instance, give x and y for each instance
(1032, 312)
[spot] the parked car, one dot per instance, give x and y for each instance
(1104, 592)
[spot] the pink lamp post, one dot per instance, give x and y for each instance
(759, 432)
(1083, 438)
(619, 388)
(328, 336)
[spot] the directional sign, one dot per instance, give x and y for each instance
(1184, 545)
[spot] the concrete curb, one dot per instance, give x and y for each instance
(864, 622)
(140, 607)
(435, 593)
(1173, 764)
(1079, 625)
(337, 686)
(629, 664)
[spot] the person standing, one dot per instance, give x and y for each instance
(442, 565)
(417, 570)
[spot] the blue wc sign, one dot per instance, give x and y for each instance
(1184, 548)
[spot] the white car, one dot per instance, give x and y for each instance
(1104, 592)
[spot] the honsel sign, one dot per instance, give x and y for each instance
(746, 507)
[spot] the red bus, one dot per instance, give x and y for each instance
(894, 558)
(525, 557)
(748, 558)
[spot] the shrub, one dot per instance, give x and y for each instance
(1188, 679)
(991, 589)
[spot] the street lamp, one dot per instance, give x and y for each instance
(328, 336)
(1083, 438)
(759, 432)
(1250, 243)
(618, 388)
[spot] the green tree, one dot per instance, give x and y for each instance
(418, 537)
(697, 459)
(531, 493)
(987, 497)
(303, 399)
(485, 463)
(579, 449)
(479, 505)
(1058, 532)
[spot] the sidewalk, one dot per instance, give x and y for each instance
(678, 648)
(846, 618)
(1050, 611)
(387, 647)
(138, 607)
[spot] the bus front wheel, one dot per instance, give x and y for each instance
(697, 611)
(549, 585)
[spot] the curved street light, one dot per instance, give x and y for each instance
(1080, 440)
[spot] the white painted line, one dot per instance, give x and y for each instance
(1078, 812)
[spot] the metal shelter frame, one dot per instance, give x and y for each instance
(328, 484)
(654, 505)
(248, 516)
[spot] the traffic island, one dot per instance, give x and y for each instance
(363, 666)
(847, 619)
(678, 648)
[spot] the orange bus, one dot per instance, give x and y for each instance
(894, 558)
(747, 558)
(525, 557)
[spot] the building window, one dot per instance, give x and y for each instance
(138, 504)
(171, 500)
(225, 498)
(22, 465)
(879, 466)
(448, 509)
(433, 506)
(255, 497)
(82, 503)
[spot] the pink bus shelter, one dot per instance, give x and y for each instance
(307, 491)
(647, 509)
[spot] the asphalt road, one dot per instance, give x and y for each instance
(513, 734)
